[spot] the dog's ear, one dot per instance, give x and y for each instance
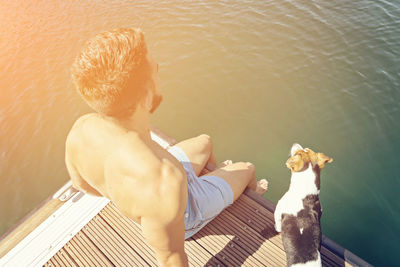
(322, 159)
(295, 163)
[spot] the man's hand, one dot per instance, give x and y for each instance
(168, 241)
(77, 181)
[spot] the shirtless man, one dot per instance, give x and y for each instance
(110, 153)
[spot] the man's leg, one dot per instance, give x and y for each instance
(199, 151)
(239, 175)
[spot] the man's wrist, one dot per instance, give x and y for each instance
(176, 259)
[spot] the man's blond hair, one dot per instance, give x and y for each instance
(112, 72)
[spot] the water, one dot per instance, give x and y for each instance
(255, 75)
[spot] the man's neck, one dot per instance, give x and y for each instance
(138, 123)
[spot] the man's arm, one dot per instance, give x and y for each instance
(157, 194)
(77, 181)
(167, 240)
(163, 225)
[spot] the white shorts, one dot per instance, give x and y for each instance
(208, 195)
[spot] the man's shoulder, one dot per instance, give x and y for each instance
(92, 129)
(133, 153)
(77, 126)
(79, 121)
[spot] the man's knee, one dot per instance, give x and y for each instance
(205, 141)
(248, 166)
(251, 168)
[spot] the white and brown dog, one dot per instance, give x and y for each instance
(298, 212)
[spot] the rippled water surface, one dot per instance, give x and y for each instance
(255, 75)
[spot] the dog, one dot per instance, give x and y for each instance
(298, 212)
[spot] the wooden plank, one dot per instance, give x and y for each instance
(53, 233)
(111, 243)
(59, 261)
(249, 235)
(93, 250)
(208, 258)
(232, 247)
(251, 219)
(128, 236)
(223, 241)
(253, 242)
(192, 258)
(133, 227)
(258, 210)
(197, 255)
(81, 249)
(215, 245)
(66, 258)
(103, 245)
(329, 256)
(75, 255)
(118, 245)
(264, 202)
(53, 263)
(327, 262)
(125, 248)
(28, 224)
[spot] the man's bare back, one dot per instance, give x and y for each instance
(94, 142)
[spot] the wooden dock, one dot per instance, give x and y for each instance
(242, 235)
